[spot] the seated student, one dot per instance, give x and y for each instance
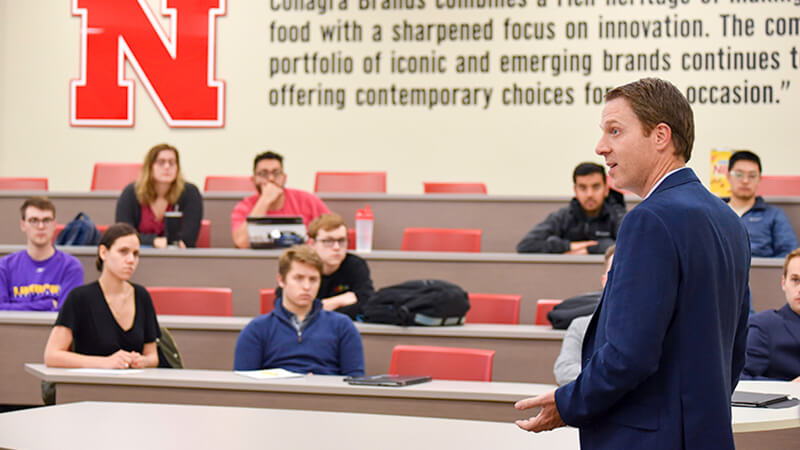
(39, 277)
(568, 362)
(346, 284)
(771, 233)
(299, 335)
(110, 323)
(773, 336)
(161, 188)
(272, 198)
(590, 222)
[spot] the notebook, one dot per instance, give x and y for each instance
(387, 380)
(755, 399)
(275, 231)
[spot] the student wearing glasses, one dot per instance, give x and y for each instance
(273, 198)
(39, 277)
(159, 189)
(771, 233)
(346, 283)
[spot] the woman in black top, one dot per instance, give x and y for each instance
(110, 323)
(159, 189)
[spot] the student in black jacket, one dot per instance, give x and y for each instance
(590, 222)
(161, 188)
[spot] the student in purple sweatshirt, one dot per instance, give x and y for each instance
(39, 277)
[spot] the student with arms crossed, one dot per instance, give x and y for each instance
(346, 284)
(299, 335)
(39, 277)
(110, 323)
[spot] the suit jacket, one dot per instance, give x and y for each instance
(773, 345)
(665, 347)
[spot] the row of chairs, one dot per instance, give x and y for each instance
(115, 176)
(203, 301)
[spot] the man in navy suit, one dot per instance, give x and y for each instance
(773, 341)
(666, 345)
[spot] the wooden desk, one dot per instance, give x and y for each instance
(532, 276)
(504, 219)
(525, 353)
(75, 426)
(753, 427)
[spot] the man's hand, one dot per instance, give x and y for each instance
(796, 380)
(337, 301)
(270, 193)
(548, 417)
(580, 247)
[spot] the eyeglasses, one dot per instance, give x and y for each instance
(37, 222)
(267, 174)
(165, 162)
(739, 175)
(329, 242)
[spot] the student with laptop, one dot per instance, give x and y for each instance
(39, 277)
(273, 198)
(346, 283)
(773, 337)
(299, 335)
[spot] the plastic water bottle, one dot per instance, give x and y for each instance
(364, 223)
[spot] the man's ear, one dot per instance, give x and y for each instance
(280, 281)
(662, 136)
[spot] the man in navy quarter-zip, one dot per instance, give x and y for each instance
(299, 335)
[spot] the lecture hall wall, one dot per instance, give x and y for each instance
(572, 50)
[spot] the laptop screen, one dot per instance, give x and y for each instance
(275, 231)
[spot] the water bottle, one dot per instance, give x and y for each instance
(364, 222)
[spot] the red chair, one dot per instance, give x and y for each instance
(443, 363)
(351, 238)
(454, 188)
(267, 300)
(544, 306)
(192, 301)
(787, 185)
(204, 235)
(441, 240)
(110, 176)
(231, 183)
(493, 308)
(350, 182)
(23, 184)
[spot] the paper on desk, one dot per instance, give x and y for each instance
(268, 374)
(107, 371)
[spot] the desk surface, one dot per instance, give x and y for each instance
(532, 276)
(215, 427)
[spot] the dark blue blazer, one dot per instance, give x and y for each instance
(666, 345)
(773, 345)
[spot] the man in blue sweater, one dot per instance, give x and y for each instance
(299, 335)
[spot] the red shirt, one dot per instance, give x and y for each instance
(149, 224)
(295, 203)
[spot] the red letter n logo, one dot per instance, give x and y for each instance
(177, 69)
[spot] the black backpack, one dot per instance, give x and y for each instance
(80, 231)
(581, 305)
(418, 302)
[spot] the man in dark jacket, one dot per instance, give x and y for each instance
(590, 222)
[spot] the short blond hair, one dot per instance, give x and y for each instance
(793, 254)
(302, 254)
(327, 222)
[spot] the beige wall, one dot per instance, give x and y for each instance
(516, 150)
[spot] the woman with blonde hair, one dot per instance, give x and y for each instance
(159, 189)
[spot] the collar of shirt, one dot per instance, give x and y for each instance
(661, 180)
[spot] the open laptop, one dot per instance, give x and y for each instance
(275, 231)
(387, 380)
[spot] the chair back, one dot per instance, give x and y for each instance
(493, 308)
(204, 235)
(454, 188)
(114, 176)
(544, 306)
(441, 240)
(228, 183)
(368, 182)
(443, 363)
(267, 300)
(780, 185)
(192, 301)
(23, 184)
